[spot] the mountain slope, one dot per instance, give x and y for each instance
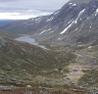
(22, 63)
(76, 22)
(71, 36)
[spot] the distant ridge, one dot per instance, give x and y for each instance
(5, 22)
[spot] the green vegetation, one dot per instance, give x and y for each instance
(90, 79)
(22, 64)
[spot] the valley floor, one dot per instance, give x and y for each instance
(42, 91)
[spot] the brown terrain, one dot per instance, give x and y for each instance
(41, 91)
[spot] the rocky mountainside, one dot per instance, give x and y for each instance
(76, 22)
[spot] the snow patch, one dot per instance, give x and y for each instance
(81, 12)
(59, 39)
(90, 47)
(46, 30)
(76, 29)
(43, 32)
(37, 20)
(50, 19)
(67, 28)
(51, 31)
(70, 3)
(69, 22)
(74, 5)
(96, 12)
(90, 26)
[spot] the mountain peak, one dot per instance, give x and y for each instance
(80, 1)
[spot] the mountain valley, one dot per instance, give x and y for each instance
(54, 51)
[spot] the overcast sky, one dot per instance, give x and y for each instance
(24, 9)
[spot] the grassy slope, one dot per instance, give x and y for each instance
(22, 64)
(27, 64)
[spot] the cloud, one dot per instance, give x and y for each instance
(34, 4)
(18, 15)
(14, 16)
(24, 9)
